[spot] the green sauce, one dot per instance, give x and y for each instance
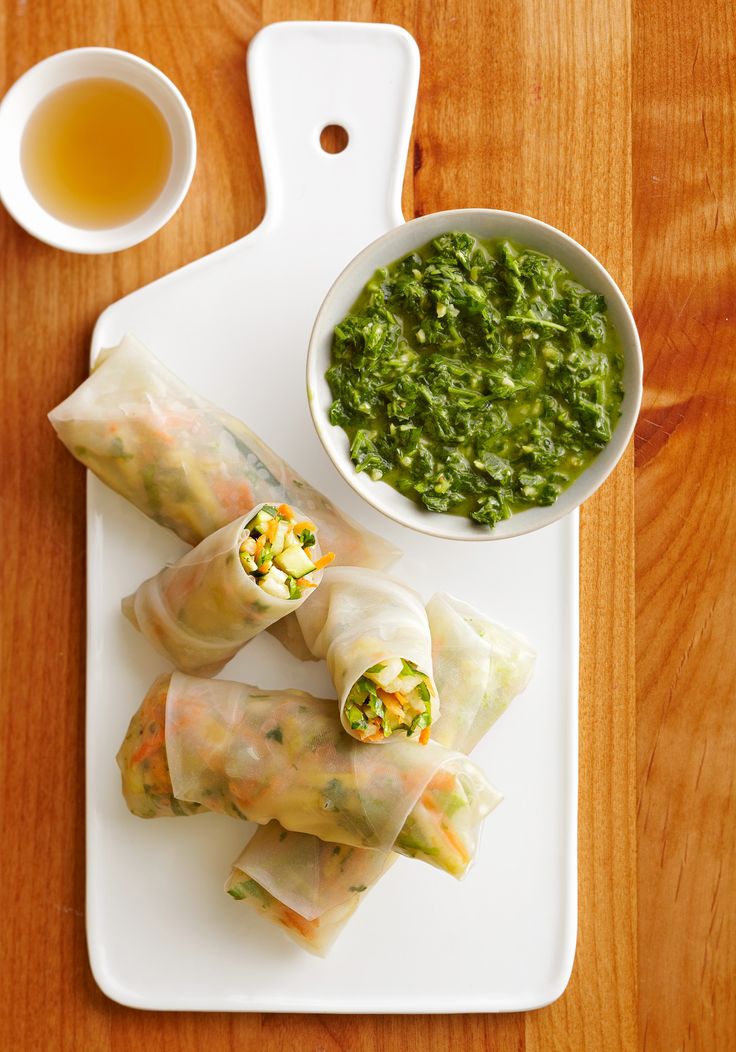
(476, 377)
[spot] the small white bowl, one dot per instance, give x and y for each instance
(77, 64)
(483, 223)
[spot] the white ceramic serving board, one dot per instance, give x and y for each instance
(162, 933)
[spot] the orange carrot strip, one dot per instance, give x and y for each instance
(306, 525)
(301, 583)
(324, 561)
(389, 700)
(424, 736)
(443, 780)
(377, 737)
(151, 745)
(286, 511)
(291, 919)
(456, 843)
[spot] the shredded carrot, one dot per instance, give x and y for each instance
(286, 511)
(162, 436)
(148, 747)
(324, 561)
(235, 496)
(390, 701)
(291, 919)
(308, 552)
(443, 780)
(377, 737)
(457, 844)
(299, 527)
(301, 583)
(424, 736)
(260, 543)
(272, 530)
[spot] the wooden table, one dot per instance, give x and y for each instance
(612, 120)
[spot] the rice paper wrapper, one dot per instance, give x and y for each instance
(263, 755)
(360, 618)
(315, 935)
(479, 667)
(309, 875)
(184, 462)
(202, 609)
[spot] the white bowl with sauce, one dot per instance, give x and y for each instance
(151, 187)
(484, 223)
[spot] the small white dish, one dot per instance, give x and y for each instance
(54, 72)
(483, 223)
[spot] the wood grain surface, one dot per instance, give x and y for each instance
(613, 119)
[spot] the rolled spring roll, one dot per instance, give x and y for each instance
(295, 880)
(374, 633)
(324, 880)
(263, 755)
(202, 609)
(184, 462)
(479, 668)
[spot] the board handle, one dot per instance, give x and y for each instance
(305, 76)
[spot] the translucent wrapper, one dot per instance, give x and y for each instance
(262, 755)
(185, 463)
(202, 609)
(360, 619)
(479, 668)
(316, 934)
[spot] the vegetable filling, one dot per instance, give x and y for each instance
(390, 696)
(276, 550)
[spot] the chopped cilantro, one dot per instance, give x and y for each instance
(477, 378)
(307, 538)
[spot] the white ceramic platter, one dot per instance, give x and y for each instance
(162, 933)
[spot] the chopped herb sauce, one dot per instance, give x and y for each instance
(476, 377)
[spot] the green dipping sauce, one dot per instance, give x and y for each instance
(476, 377)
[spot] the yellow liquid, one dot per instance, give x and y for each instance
(96, 153)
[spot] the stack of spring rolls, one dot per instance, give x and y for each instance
(339, 787)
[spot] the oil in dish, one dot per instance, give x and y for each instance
(96, 153)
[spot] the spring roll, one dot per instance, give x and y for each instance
(315, 935)
(262, 755)
(291, 878)
(374, 633)
(184, 462)
(479, 669)
(324, 882)
(202, 609)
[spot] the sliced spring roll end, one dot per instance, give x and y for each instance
(392, 697)
(280, 552)
(143, 763)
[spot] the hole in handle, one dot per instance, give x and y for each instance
(333, 138)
